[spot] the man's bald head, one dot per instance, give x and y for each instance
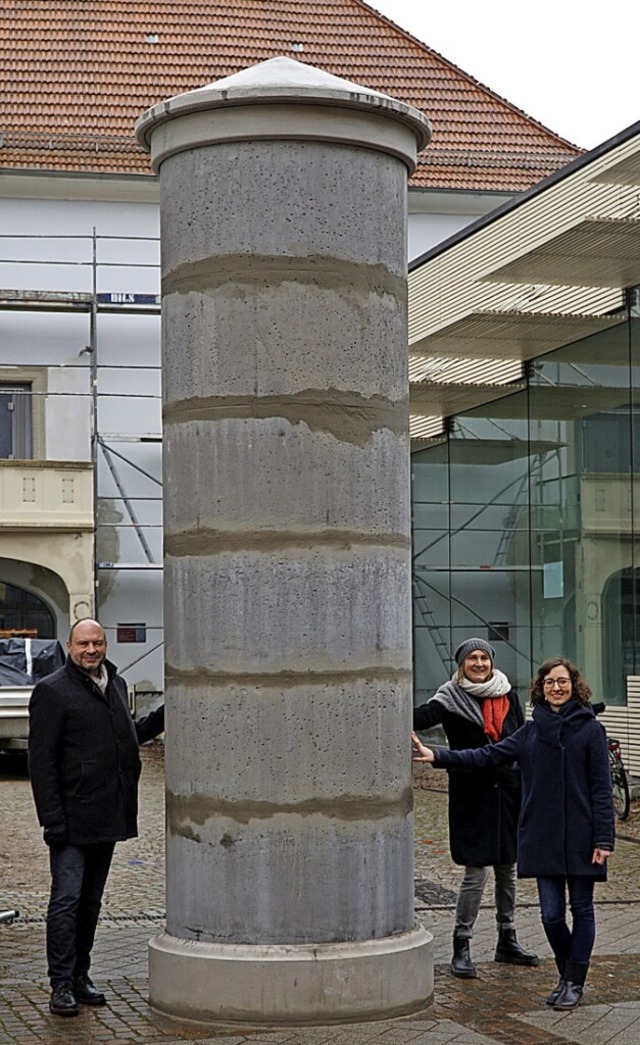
(87, 645)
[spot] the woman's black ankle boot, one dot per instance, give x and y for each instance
(555, 993)
(461, 964)
(570, 996)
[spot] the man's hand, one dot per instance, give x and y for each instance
(600, 856)
(420, 752)
(56, 834)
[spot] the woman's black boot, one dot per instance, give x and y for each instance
(510, 951)
(461, 964)
(575, 973)
(555, 993)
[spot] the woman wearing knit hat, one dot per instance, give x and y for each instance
(566, 832)
(476, 708)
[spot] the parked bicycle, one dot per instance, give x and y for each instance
(619, 778)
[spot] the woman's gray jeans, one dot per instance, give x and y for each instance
(470, 898)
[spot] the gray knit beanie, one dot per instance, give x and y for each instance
(469, 645)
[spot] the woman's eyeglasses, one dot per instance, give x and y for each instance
(550, 683)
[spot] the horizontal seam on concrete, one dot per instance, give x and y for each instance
(184, 811)
(190, 679)
(347, 416)
(348, 278)
(213, 542)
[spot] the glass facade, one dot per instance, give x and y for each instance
(524, 521)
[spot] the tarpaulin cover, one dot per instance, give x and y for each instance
(24, 661)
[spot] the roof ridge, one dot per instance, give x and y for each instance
(468, 76)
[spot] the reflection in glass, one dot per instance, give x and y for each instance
(524, 515)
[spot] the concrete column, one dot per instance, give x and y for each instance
(287, 551)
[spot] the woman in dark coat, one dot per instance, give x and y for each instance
(478, 707)
(566, 826)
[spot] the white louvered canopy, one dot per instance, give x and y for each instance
(546, 270)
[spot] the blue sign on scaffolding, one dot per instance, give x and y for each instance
(119, 298)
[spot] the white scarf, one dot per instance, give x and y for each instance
(495, 686)
(463, 698)
(101, 680)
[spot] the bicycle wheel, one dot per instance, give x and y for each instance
(620, 784)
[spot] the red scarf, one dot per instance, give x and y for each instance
(494, 712)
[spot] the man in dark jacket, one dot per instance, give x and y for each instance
(84, 766)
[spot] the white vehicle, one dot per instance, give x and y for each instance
(14, 717)
(22, 663)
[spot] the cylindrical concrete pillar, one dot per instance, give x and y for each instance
(287, 548)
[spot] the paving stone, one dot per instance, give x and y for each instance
(504, 1005)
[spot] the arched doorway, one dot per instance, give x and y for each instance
(21, 611)
(620, 628)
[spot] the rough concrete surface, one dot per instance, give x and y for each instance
(284, 305)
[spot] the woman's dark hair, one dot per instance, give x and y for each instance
(580, 688)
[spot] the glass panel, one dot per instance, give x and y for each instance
(524, 523)
(6, 425)
(22, 611)
(633, 299)
(431, 644)
(581, 525)
(22, 447)
(15, 422)
(490, 456)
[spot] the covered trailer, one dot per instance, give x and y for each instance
(23, 662)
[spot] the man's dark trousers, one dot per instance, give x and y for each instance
(78, 877)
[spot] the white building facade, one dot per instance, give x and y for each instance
(81, 409)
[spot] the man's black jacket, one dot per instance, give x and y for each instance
(84, 761)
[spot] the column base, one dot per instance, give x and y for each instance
(291, 985)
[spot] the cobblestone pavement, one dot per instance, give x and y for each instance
(504, 1004)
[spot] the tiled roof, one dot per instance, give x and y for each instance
(77, 74)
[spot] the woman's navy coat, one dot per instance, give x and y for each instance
(567, 806)
(483, 803)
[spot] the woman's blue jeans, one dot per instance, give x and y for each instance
(575, 944)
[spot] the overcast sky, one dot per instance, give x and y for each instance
(571, 64)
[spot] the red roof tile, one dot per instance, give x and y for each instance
(78, 73)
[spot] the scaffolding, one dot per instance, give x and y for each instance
(94, 303)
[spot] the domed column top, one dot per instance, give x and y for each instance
(285, 99)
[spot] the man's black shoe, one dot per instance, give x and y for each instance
(86, 993)
(62, 1001)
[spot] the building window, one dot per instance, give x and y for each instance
(131, 633)
(24, 615)
(15, 422)
(498, 631)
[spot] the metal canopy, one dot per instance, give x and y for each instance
(439, 398)
(562, 402)
(597, 252)
(548, 271)
(545, 402)
(490, 451)
(627, 172)
(510, 335)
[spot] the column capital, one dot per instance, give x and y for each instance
(287, 100)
